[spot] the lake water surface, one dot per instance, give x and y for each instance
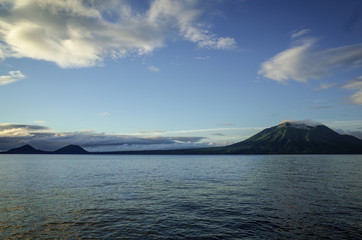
(181, 197)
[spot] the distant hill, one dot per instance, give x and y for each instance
(26, 149)
(285, 138)
(71, 149)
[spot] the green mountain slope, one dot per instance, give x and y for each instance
(291, 138)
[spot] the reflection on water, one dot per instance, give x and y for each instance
(178, 197)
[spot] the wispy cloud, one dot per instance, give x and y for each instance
(303, 122)
(356, 85)
(9, 130)
(302, 61)
(28, 127)
(357, 134)
(348, 124)
(218, 134)
(203, 58)
(13, 76)
(39, 122)
(324, 86)
(75, 33)
(154, 69)
(319, 107)
(299, 33)
(210, 130)
(228, 124)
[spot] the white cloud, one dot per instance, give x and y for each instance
(355, 84)
(154, 69)
(289, 64)
(183, 15)
(39, 121)
(75, 33)
(225, 43)
(302, 123)
(202, 58)
(303, 62)
(326, 86)
(296, 34)
(212, 130)
(19, 130)
(13, 76)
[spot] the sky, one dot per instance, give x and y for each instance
(162, 74)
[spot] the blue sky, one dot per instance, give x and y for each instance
(117, 75)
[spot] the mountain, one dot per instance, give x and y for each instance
(26, 149)
(71, 149)
(297, 138)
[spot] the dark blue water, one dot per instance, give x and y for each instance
(181, 197)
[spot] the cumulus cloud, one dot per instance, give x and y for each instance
(355, 84)
(75, 33)
(302, 61)
(13, 76)
(13, 135)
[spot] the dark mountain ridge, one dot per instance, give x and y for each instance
(291, 138)
(285, 138)
(26, 149)
(71, 149)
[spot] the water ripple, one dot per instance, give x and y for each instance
(181, 197)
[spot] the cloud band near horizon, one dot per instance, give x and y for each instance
(14, 135)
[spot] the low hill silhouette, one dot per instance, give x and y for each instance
(26, 149)
(71, 149)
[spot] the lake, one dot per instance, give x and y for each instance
(181, 197)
